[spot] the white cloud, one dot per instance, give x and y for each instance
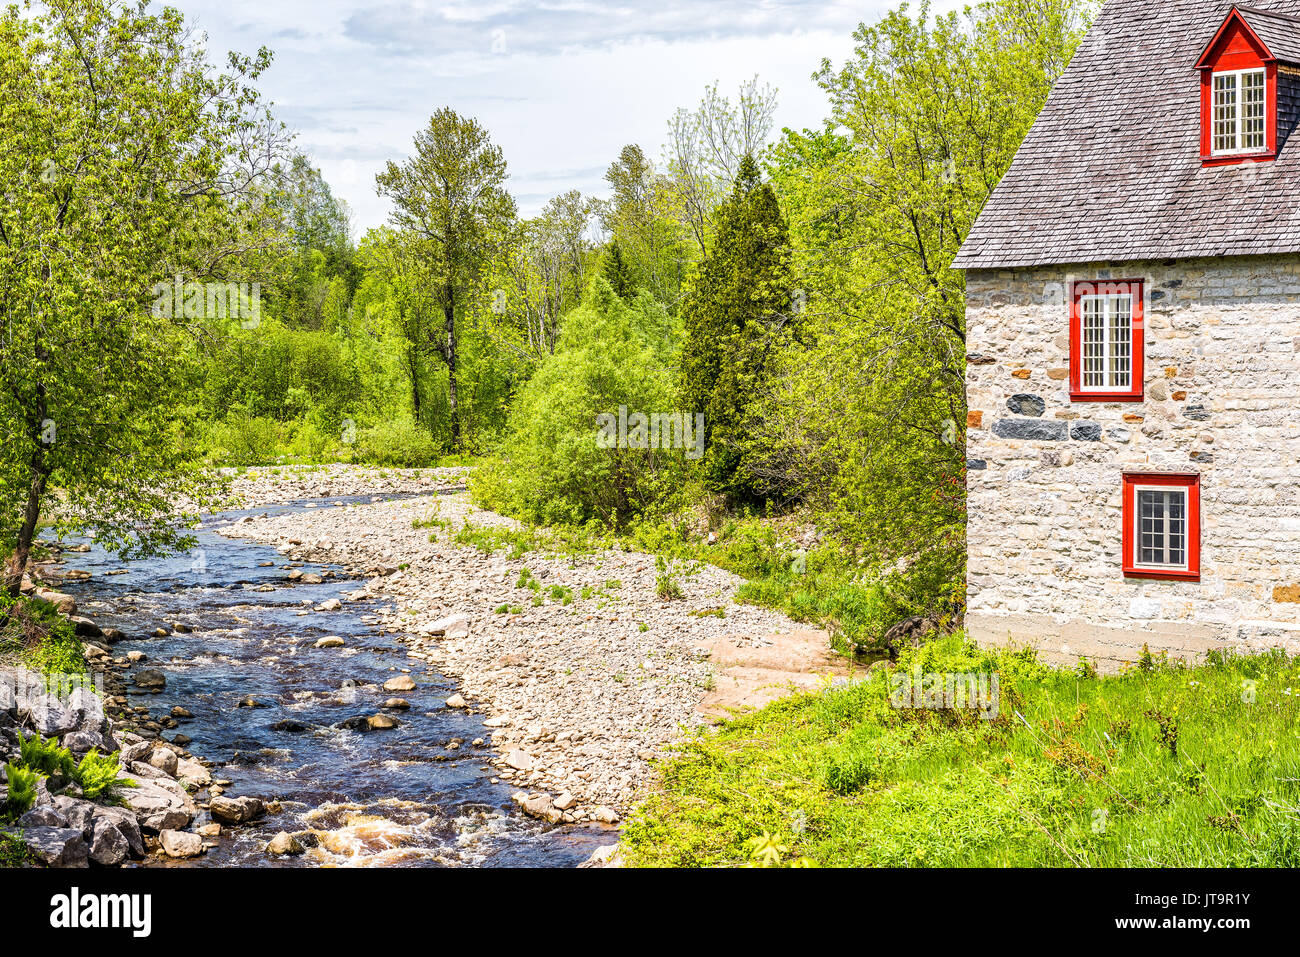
(561, 85)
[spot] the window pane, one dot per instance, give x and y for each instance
(1121, 334)
(1094, 342)
(1225, 112)
(1252, 110)
(1162, 527)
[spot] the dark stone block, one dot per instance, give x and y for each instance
(976, 465)
(1085, 432)
(1026, 405)
(1198, 412)
(1037, 430)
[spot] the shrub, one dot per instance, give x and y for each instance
(398, 443)
(552, 467)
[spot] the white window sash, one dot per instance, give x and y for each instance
(1107, 342)
(1137, 528)
(1239, 112)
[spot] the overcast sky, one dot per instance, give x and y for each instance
(561, 85)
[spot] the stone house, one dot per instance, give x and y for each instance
(1133, 337)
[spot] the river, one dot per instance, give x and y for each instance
(404, 797)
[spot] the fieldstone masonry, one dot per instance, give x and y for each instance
(1222, 398)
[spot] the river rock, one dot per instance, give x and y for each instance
(109, 847)
(165, 760)
(79, 742)
(331, 641)
(565, 801)
(605, 815)
(381, 722)
(236, 810)
(181, 844)
(289, 725)
(453, 626)
(333, 604)
(160, 804)
(56, 846)
(397, 704)
(85, 628)
(457, 701)
(189, 771)
(44, 816)
(150, 679)
(400, 683)
(519, 760)
(66, 604)
(284, 844)
(125, 822)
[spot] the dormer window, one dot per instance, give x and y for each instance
(1239, 107)
(1239, 77)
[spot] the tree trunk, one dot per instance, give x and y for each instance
(40, 476)
(449, 352)
(414, 359)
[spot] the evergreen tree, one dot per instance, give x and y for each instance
(738, 314)
(617, 273)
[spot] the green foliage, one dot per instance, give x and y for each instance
(98, 777)
(46, 757)
(399, 443)
(864, 418)
(42, 638)
(91, 373)
(22, 791)
(552, 466)
(1071, 772)
(740, 312)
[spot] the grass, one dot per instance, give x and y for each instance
(34, 633)
(1162, 766)
(14, 853)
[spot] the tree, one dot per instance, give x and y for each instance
(539, 276)
(866, 423)
(641, 216)
(127, 161)
(740, 312)
(450, 197)
(614, 269)
(707, 146)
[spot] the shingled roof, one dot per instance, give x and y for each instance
(1111, 169)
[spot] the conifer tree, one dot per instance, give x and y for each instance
(739, 312)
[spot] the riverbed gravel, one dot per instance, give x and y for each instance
(583, 677)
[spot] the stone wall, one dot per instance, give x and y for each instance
(1222, 398)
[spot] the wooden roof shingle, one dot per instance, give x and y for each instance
(1111, 169)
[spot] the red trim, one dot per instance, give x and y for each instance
(1236, 46)
(1107, 287)
(1234, 16)
(1192, 483)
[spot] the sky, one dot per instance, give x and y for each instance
(561, 85)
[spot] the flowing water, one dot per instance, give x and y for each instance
(401, 797)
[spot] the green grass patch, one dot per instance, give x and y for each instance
(1163, 766)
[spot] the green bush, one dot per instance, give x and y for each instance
(399, 443)
(46, 757)
(552, 467)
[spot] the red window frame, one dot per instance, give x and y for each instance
(1107, 287)
(1237, 47)
(1190, 481)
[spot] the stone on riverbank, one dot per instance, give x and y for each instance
(181, 844)
(284, 845)
(400, 683)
